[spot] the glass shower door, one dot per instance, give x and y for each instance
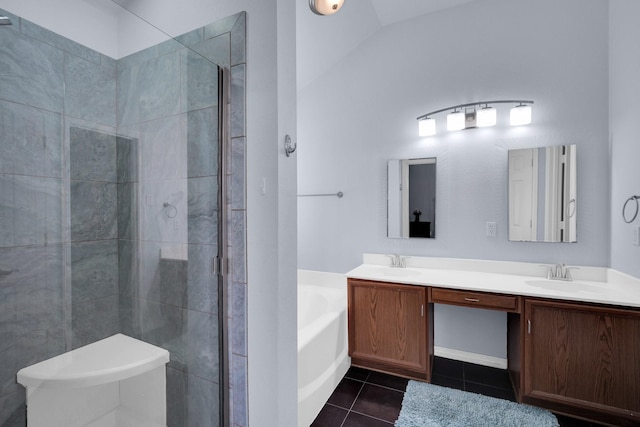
(172, 141)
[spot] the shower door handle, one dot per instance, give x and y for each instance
(215, 265)
(219, 266)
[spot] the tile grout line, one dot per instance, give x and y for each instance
(371, 416)
(465, 381)
(353, 403)
(388, 388)
(376, 385)
(338, 407)
(488, 385)
(464, 376)
(357, 395)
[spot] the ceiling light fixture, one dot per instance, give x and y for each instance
(325, 7)
(475, 114)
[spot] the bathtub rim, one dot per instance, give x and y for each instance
(313, 395)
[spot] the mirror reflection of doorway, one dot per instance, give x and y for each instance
(419, 197)
(411, 198)
(523, 190)
(543, 194)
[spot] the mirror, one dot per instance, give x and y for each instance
(542, 194)
(411, 198)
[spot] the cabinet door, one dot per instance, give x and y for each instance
(387, 327)
(585, 357)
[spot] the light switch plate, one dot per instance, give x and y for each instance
(263, 186)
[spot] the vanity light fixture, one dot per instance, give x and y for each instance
(475, 114)
(325, 7)
(427, 127)
(520, 115)
(455, 120)
(486, 116)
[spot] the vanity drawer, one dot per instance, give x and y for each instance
(476, 299)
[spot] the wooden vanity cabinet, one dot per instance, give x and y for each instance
(583, 360)
(489, 301)
(388, 328)
(575, 358)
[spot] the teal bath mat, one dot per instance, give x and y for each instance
(428, 405)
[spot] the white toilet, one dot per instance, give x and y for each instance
(115, 382)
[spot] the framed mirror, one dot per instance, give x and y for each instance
(411, 198)
(542, 194)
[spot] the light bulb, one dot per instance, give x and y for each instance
(486, 117)
(427, 127)
(520, 115)
(455, 120)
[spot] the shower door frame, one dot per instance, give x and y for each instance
(220, 264)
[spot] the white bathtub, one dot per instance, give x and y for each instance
(322, 340)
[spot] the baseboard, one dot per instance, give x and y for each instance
(465, 356)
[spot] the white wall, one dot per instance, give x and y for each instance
(362, 112)
(324, 40)
(91, 23)
(624, 110)
(271, 106)
(286, 295)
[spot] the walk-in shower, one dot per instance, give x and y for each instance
(116, 193)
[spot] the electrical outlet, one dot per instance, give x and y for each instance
(492, 229)
(636, 236)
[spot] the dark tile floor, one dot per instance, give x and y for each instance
(370, 399)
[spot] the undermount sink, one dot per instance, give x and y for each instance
(398, 272)
(391, 274)
(560, 285)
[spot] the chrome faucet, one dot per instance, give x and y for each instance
(397, 261)
(559, 272)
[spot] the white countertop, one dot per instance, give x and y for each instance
(609, 287)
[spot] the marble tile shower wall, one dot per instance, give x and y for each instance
(237, 226)
(46, 83)
(93, 196)
(79, 205)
